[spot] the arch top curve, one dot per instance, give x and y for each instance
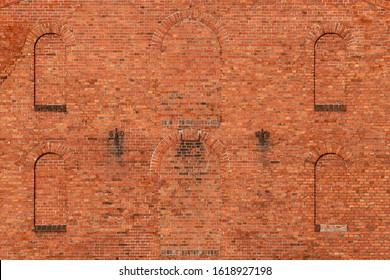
(326, 34)
(50, 28)
(215, 26)
(189, 135)
(45, 148)
(47, 153)
(336, 28)
(320, 151)
(329, 154)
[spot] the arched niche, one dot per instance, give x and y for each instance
(187, 47)
(190, 167)
(49, 73)
(50, 193)
(331, 193)
(330, 72)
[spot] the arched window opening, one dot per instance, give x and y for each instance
(330, 73)
(331, 194)
(50, 198)
(190, 199)
(190, 73)
(49, 73)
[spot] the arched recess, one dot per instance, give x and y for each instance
(330, 72)
(49, 73)
(49, 43)
(51, 173)
(329, 44)
(190, 166)
(332, 193)
(188, 48)
(207, 20)
(50, 197)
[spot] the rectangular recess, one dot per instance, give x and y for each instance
(330, 107)
(49, 228)
(50, 107)
(189, 252)
(330, 228)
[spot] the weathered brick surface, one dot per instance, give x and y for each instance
(188, 84)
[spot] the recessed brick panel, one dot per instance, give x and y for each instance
(50, 62)
(50, 191)
(330, 71)
(190, 73)
(190, 201)
(333, 193)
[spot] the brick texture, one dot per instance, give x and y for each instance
(194, 129)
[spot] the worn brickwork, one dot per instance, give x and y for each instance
(183, 129)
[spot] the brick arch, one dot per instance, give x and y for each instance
(214, 25)
(329, 33)
(319, 151)
(330, 28)
(213, 143)
(47, 153)
(49, 28)
(45, 148)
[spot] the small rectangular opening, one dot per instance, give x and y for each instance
(330, 107)
(49, 228)
(330, 228)
(50, 107)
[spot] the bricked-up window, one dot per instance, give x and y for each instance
(190, 201)
(330, 72)
(190, 71)
(50, 193)
(49, 73)
(331, 194)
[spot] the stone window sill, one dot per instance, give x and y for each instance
(330, 107)
(330, 228)
(49, 228)
(50, 107)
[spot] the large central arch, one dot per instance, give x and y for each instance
(186, 51)
(190, 166)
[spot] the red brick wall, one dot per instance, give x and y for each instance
(188, 84)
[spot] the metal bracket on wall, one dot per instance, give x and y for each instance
(263, 136)
(115, 135)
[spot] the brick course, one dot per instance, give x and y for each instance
(137, 122)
